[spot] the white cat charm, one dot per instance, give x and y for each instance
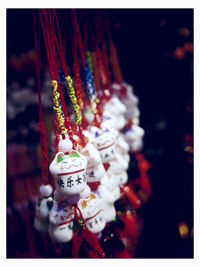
(61, 222)
(92, 213)
(69, 172)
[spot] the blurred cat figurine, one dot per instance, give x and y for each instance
(61, 222)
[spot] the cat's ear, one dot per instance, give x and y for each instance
(74, 154)
(92, 196)
(60, 157)
(83, 204)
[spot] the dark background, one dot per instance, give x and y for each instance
(147, 42)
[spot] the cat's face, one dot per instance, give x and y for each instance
(107, 153)
(92, 213)
(69, 172)
(105, 143)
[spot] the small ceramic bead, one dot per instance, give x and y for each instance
(65, 145)
(46, 190)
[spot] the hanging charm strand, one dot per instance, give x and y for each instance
(57, 107)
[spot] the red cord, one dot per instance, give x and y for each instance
(76, 28)
(41, 126)
(57, 137)
(50, 41)
(60, 46)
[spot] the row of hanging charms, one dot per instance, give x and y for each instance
(90, 179)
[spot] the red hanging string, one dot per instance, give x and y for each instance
(49, 43)
(115, 63)
(50, 40)
(57, 138)
(100, 65)
(102, 58)
(78, 88)
(64, 66)
(106, 64)
(96, 71)
(61, 52)
(60, 45)
(76, 28)
(77, 76)
(84, 22)
(41, 126)
(85, 35)
(113, 53)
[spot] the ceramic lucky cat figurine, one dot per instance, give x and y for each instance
(105, 143)
(42, 209)
(118, 169)
(118, 109)
(95, 169)
(61, 222)
(69, 172)
(109, 121)
(134, 137)
(92, 213)
(94, 173)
